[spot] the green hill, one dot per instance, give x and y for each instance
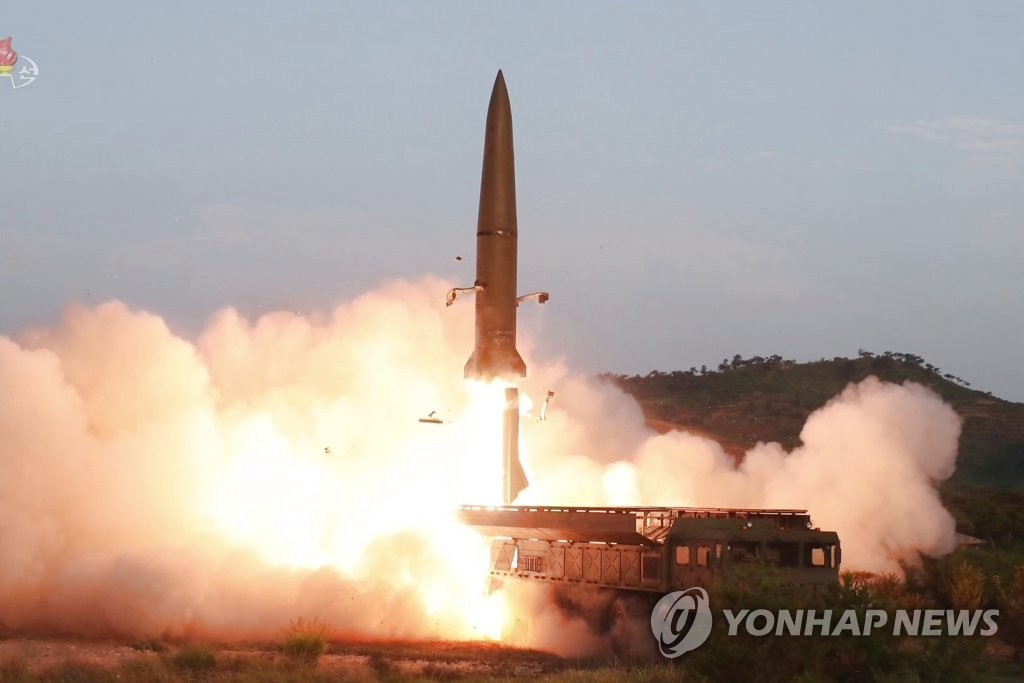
(744, 401)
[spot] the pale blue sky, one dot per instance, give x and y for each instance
(695, 179)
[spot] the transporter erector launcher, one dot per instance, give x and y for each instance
(609, 565)
(494, 352)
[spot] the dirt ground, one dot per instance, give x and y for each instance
(40, 655)
(345, 660)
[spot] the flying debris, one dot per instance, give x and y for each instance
(495, 354)
(539, 297)
(455, 291)
(544, 408)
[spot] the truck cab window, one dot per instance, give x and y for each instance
(820, 555)
(744, 551)
(683, 554)
(784, 554)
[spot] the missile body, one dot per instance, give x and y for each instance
(495, 353)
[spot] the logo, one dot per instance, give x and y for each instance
(681, 621)
(918, 622)
(19, 68)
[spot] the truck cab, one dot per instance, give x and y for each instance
(702, 551)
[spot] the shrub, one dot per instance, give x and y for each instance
(305, 640)
(1011, 617)
(966, 586)
(195, 659)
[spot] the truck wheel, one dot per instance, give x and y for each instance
(592, 605)
(629, 633)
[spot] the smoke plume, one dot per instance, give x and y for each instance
(154, 486)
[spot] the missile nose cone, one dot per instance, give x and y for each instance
(499, 107)
(498, 180)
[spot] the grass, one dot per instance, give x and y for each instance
(151, 645)
(193, 665)
(449, 651)
(165, 671)
(194, 659)
(358, 662)
(305, 641)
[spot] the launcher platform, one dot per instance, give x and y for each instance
(621, 525)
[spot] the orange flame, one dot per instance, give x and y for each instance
(300, 528)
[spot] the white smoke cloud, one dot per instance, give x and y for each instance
(868, 468)
(156, 487)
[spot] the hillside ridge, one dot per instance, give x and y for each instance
(744, 401)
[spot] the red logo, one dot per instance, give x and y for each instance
(27, 70)
(8, 57)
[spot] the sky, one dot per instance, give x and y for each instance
(695, 180)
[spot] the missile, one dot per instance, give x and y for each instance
(497, 232)
(494, 354)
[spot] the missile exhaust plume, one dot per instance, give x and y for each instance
(159, 487)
